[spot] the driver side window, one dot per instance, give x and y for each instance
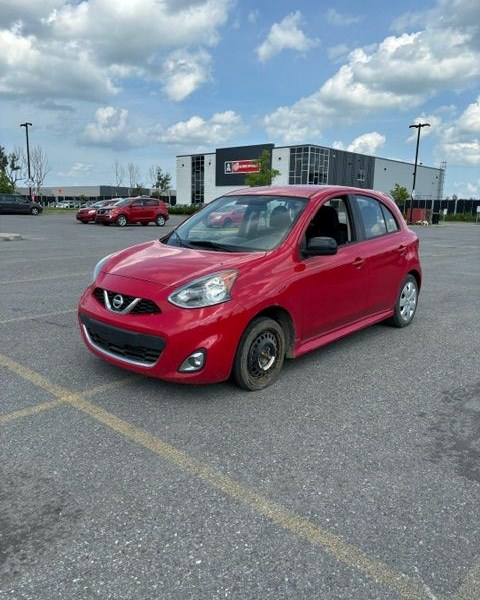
(331, 220)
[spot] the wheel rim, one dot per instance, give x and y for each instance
(408, 301)
(34, 211)
(263, 354)
(122, 221)
(161, 220)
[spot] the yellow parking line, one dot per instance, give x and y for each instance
(290, 521)
(106, 387)
(30, 410)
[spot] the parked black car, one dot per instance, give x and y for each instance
(16, 204)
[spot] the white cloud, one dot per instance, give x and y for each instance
(184, 72)
(110, 126)
(368, 143)
(87, 49)
(460, 139)
(285, 35)
(400, 73)
(77, 169)
(196, 130)
(337, 19)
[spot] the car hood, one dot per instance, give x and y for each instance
(168, 266)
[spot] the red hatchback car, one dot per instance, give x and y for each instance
(134, 210)
(305, 266)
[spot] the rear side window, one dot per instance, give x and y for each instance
(390, 220)
(376, 217)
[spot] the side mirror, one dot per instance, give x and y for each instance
(321, 246)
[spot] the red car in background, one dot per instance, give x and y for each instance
(307, 265)
(140, 209)
(226, 217)
(89, 213)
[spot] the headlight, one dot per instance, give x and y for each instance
(206, 291)
(99, 266)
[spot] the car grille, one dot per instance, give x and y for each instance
(139, 306)
(131, 347)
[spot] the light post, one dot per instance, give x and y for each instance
(418, 127)
(27, 125)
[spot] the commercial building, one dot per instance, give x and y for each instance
(89, 193)
(203, 177)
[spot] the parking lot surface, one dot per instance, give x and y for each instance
(355, 476)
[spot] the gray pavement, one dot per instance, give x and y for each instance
(356, 476)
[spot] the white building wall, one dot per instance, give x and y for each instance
(281, 162)
(184, 179)
(388, 172)
(211, 190)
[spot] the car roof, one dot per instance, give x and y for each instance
(300, 191)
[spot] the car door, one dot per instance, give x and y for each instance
(137, 211)
(21, 205)
(334, 289)
(384, 249)
(8, 204)
(150, 209)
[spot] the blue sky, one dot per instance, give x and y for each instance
(137, 82)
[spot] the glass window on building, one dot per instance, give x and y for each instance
(198, 179)
(308, 165)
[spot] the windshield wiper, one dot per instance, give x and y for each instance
(209, 244)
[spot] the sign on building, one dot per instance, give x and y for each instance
(233, 167)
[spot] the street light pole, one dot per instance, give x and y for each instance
(418, 127)
(27, 125)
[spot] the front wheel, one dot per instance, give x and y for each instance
(406, 304)
(260, 354)
(121, 220)
(160, 221)
(34, 211)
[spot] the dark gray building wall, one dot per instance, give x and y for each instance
(350, 168)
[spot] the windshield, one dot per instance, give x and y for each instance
(239, 224)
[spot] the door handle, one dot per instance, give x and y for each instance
(401, 249)
(358, 262)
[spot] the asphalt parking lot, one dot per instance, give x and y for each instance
(356, 476)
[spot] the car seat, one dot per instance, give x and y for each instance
(280, 218)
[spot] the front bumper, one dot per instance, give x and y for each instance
(157, 344)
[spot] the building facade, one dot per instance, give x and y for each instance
(203, 177)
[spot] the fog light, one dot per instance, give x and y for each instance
(194, 362)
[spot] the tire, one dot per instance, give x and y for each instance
(34, 211)
(160, 221)
(121, 220)
(406, 304)
(260, 354)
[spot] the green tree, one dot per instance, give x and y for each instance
(6, 186)
(265, 173)
(160, 180)
(400, 194)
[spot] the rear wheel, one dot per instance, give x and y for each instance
(34, 211)
(121, 220)
(406, 304)
(260, 354)
(160, 221)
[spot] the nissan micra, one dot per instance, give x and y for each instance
(305, 265)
